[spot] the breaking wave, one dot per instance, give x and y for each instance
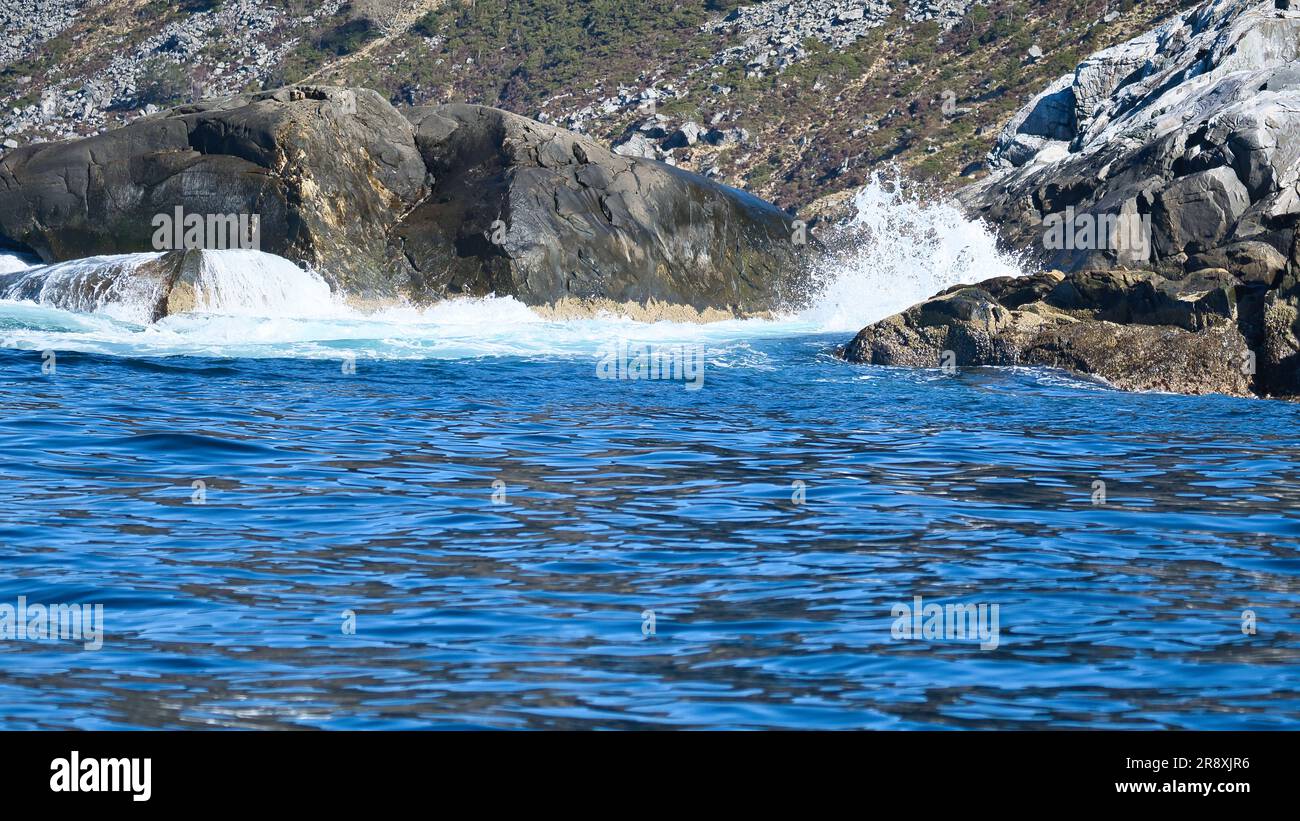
(10, 262)
(899, 250)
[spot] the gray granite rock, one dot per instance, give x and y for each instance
(1195, 125)
(1191, 133)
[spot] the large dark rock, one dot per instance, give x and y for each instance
(328, 171)
(1279, 349)
(452, 200)
(1252, 261)
(529, 209)
(1195, 213)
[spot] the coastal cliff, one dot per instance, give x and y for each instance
(1157, 185)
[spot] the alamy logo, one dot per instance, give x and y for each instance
(633, 361)
(1128, 235)
(77, 774)
(948, 622)
(211, 232)
(40, 622)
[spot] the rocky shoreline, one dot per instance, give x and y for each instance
(1156, 186)
(1187, 140)
(1135, 330)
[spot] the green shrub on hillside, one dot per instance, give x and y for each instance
(162, 82)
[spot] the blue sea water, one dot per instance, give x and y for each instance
(297, 514)
(503, 525)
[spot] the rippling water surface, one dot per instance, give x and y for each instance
(373, 493)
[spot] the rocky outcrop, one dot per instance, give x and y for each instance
(445, 201)
(544, 214)
(1193, 129)
(327, 171)
(1175, 157)
(202, 49)
(774, 31)
(949, 13)
(29, 23)
(1135, 330)
(655, 138)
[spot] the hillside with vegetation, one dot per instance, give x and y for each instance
(795, 101)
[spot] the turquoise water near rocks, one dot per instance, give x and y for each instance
(499, 521)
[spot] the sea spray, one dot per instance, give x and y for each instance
(902, 247)
(112, 285)
(132, 287)
(11, 262)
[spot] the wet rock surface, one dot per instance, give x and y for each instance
(1133, 329)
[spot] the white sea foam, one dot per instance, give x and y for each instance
(901, 251)
(10, 262)
(902, 248)
(251, 283)
(96, 285)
